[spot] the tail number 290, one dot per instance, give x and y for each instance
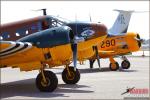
(108, 43)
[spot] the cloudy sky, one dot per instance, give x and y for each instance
(100, 11)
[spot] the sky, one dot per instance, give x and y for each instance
(100, 11)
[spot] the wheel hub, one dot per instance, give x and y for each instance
(71, 76)
(125, 64)
(47, 83)
(114, 66)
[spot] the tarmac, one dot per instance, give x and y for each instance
(94, 83)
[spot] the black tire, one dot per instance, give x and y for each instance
(125, 64)
(51, 79)
(114, 68)
(73, 79)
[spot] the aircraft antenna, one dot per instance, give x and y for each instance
(90, 17)
(76, 22)
(44, 11)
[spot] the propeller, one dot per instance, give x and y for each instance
(74, 44)
(74, 47)
(97, 56)
(140, 41)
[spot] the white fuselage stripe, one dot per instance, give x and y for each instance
(22, 47)
(15, 49)
(13, 44)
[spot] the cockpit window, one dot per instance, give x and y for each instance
(56, 21)
(5, 35)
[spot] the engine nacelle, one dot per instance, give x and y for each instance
(50, 37)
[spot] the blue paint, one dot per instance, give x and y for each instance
(39, 25)
(49, 37)
(34, 27)
(5, 35)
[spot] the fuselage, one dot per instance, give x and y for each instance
(119, 45)
(93, 33)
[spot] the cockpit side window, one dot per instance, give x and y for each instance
(21, 32)
(53, 22)
(5, 35)
(45, 25)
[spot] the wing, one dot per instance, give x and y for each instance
(105, 52)
(115, 53)
(19, 54)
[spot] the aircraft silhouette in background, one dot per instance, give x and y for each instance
(119, 42)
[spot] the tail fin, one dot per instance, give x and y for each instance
(121, 24)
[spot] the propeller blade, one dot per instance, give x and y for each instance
(97, 56)
(74, 50)
(74, 46)
(139, 40)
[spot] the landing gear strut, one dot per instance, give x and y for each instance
(91, 63)
(70, 75)
(125, 63)
(46, 81)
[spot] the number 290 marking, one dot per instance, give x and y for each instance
(108, 43)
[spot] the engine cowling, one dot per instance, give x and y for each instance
(50, 37)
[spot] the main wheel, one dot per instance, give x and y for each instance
(51, 83)
(73, 78)
(125, 64)
(114, 66)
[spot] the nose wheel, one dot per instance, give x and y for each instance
(125, 64)
(46, 81)
(70, 75)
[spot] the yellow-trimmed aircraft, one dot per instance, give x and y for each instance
(46, 42)
(119, 42)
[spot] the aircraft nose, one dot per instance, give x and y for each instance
(139, 40)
